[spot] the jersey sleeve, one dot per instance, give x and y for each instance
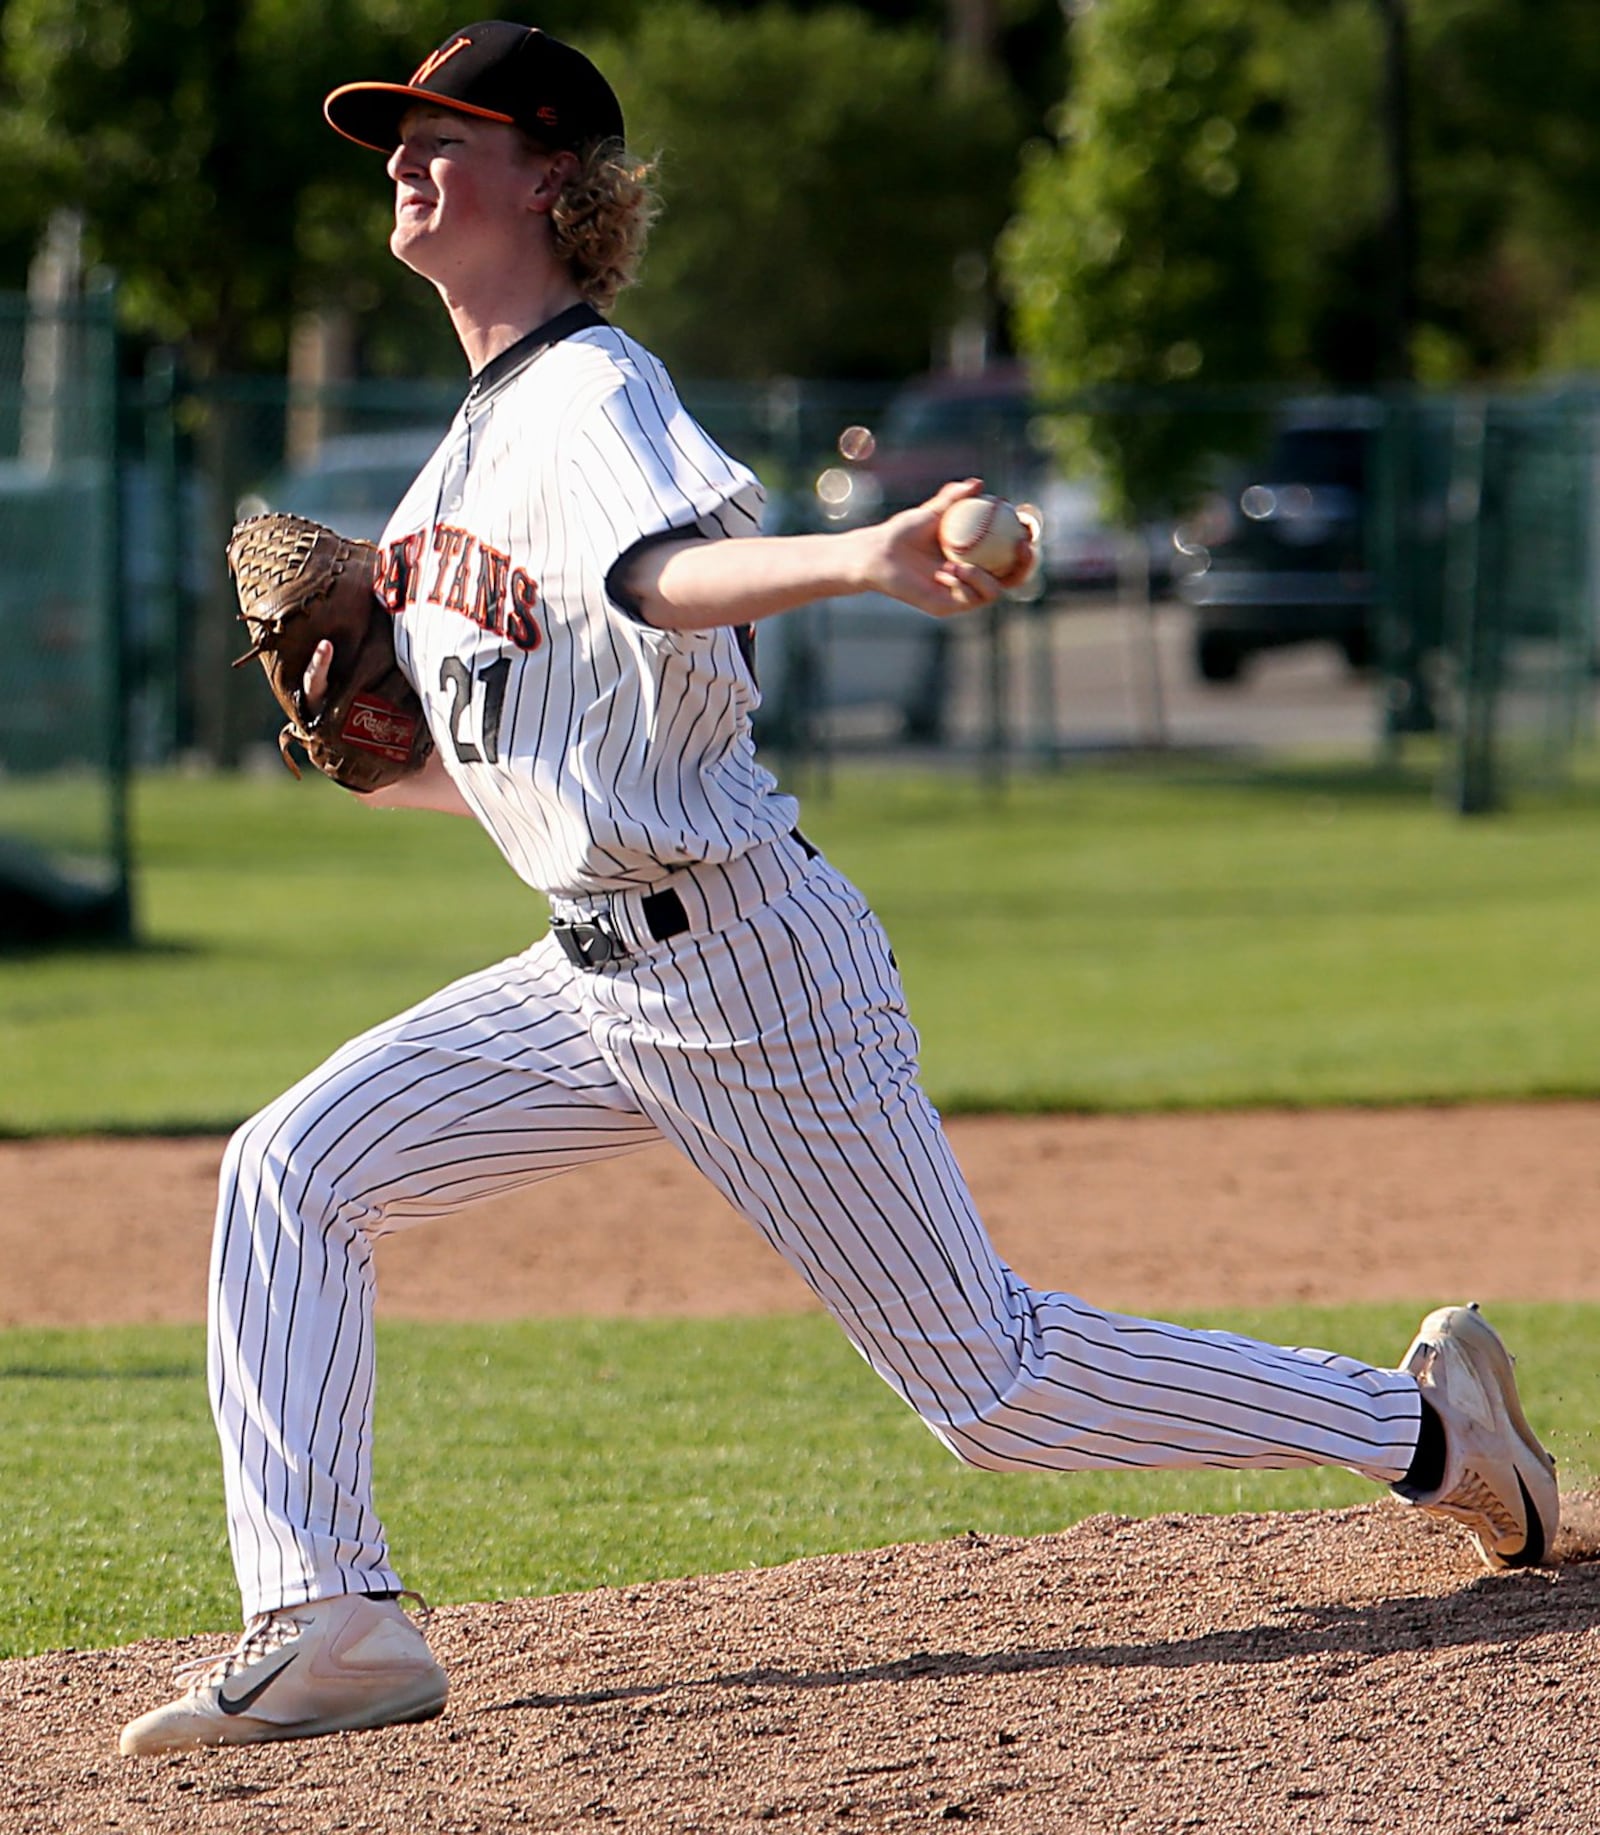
(643, 470)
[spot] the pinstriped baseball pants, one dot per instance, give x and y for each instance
(773, 1049)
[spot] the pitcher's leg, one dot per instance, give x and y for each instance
(818, 1131)
(490, 1085)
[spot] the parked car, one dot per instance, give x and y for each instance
(935, 428)
(352, 482)
(864, 656)
(986, 425)
(1080, 552)
(1278, 553)
(864, 660)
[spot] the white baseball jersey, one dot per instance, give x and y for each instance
(746, 1009)
(598, 751)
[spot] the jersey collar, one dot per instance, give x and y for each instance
(514, 357)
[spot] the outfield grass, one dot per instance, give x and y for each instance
(1104, 939)
(1101, 939)
(552, 1456)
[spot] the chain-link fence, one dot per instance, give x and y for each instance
(63, 779)
(1407, 575)
(1518, 639)
(1376, 573)
(208, 451)
(1412, 567)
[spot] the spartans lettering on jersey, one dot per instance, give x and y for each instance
(462, 574)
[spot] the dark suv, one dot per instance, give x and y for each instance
(1278, 554)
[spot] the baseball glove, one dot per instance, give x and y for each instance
(299, 583)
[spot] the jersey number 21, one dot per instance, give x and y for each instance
(461, 685)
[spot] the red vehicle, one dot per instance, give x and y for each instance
(985, 425)
(939, 427)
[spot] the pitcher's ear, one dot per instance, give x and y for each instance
(556, 170)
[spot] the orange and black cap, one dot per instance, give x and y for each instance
(499, 72)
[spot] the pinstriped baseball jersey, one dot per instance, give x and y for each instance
(596, 750)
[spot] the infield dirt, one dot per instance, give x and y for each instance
(1329, 1671)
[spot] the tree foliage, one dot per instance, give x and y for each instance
(1214, 208)
(182, 130)
(189, 133)
(1508, 167)
(821, 176)
(1211, 211)
(1143, 252)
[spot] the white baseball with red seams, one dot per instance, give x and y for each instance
(987, 531)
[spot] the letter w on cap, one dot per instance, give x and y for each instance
(435, 58)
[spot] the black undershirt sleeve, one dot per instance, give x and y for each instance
(616, 575)
(626, 601)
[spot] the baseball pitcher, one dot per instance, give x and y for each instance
(568, 588)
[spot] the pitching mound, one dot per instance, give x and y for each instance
(1320, 1671)
(1328, 1672)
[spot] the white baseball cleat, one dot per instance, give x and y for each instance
(1499, 1483)
(328, 1667)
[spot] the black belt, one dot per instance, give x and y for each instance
(588, 945)
(591, 945)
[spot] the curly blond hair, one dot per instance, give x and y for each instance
(602, 220)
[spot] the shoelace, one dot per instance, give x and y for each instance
(262, 1635)
(271, 1631)
(424, 1612)
(1473, 1499)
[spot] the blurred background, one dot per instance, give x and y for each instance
(1286, 313)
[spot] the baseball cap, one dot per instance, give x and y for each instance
(497, 71)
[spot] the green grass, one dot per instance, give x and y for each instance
(1113, 942)
(552, 1456)
(1100, 939)
(278, 919)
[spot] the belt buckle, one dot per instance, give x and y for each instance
(587, 945)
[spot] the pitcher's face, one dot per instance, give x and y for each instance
(466, 192)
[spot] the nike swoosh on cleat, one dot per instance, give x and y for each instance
(1531, 1554)
(239, 1704)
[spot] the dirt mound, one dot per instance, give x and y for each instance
(1326, 1672)
(1143, 1213)
(1318, 1671)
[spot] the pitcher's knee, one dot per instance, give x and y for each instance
(985, 1454)
(972, 1430)
(270, 1170)
(245, 1159)
(995, 1430)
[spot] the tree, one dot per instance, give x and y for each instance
(1508, 168)
(821, 178)
(821, 175)
(189, 133)
(1142, 255)
(1127, 268)
(166, 125)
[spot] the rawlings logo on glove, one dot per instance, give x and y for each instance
(379, 726)
(298, 584)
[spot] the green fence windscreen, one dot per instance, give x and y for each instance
(63, 851)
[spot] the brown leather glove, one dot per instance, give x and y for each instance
(299, 583)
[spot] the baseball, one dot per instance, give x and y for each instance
(987, 531)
